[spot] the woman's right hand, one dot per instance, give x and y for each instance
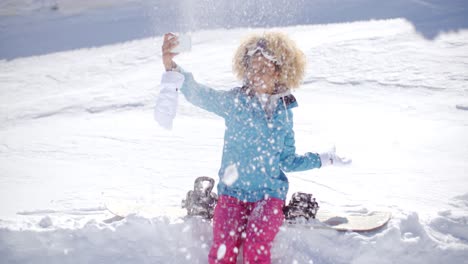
(170, 41)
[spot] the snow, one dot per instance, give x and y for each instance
(87, 23)
(230, 175)
(221, 252)
(77, 130)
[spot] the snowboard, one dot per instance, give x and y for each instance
(343, 222)
(354, 222)
(120, 209)
(200, 202)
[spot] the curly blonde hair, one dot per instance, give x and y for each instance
(291, 60)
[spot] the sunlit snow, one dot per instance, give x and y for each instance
(77, 130)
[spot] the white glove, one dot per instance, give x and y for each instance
(331, 158)
(166, 103)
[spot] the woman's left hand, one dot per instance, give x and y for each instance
(331, 158)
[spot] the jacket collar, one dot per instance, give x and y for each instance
(281, 92)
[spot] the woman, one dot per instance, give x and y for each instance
(259, 145)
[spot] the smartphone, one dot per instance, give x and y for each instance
(185, 43)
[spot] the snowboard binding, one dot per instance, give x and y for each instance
(301, 205)
(201, 201)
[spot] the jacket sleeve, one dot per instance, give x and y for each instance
(215, 101)
(166, 102)
(290, 161)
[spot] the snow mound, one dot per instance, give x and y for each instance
(453, 223)
(159, 240)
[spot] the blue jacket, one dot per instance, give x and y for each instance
(257, 149)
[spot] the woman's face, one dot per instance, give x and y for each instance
(262, 74)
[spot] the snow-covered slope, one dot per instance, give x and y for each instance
(76, 130)
(35, 27)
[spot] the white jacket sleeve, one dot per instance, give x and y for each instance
(166, 102)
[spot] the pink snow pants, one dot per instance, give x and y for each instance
(253, 225)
